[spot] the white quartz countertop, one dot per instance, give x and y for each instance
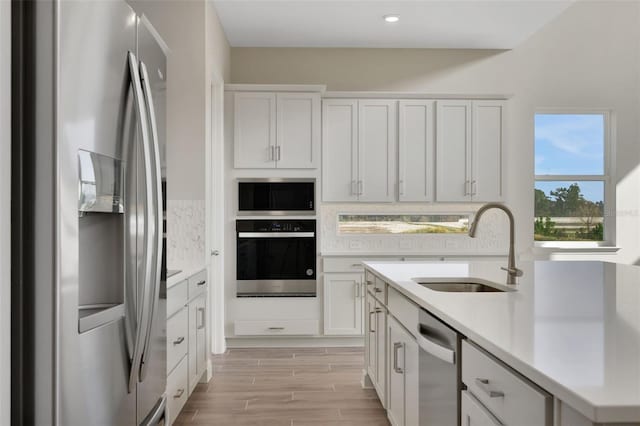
(184, 274)
(571, 327)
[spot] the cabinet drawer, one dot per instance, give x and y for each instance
(511, 398)
(177, 392)
(376, 286)
(177, 337)
(177, 297)
(277, 327)
(404, 310)
(197, 283)
(474, 414)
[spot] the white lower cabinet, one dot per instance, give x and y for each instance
(187, 351)
(402, 367)
(511, 398)
(474, 414)
(343, 304)
(197, 340)
(376, 343)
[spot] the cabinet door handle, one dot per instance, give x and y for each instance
(278, 153)
(357, 290)
(401, 187)
(203, 282)
(396, 346)
(483, 384)
(363, 290)
(371, 330)
(271, 154)
(179, 393)
(474, 187)
(178, 341)
(202, 318)
(360, 187)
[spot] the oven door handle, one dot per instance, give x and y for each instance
(276, 234)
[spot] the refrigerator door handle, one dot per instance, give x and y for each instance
(154, 185)
(141, 325)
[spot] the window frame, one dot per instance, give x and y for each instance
(609, 195)
(469, 214)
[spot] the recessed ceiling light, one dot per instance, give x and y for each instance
(392, 19)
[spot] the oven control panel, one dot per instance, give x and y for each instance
(254, 225)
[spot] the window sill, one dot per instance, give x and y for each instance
(542, 247)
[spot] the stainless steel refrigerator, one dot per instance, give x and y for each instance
(89, 311)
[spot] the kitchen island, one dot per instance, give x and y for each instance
(570, 328)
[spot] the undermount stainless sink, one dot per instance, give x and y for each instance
(461, 287)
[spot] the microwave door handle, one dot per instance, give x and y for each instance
(154, 186)
(276, 234)
(445, 354)
(141, 326)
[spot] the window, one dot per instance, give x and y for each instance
(572, 190)
(403, 224)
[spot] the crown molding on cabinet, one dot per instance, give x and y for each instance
(413, 95)
(319, 88)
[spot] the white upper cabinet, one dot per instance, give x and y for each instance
(298, 130)
(358, 150)
(339, 149)
(469, 139)
(254, 125)
(376, 150)
(488, 133)
(416, 151)
(276, 130)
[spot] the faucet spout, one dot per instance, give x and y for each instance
(512, 271)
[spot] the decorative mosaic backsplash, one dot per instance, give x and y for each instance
(185, 233)
(492, 237)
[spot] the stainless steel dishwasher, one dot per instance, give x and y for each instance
(440, 373)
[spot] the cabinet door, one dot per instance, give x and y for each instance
(339, 149)
(416, 162)
(201, 336)
(453, 128)
(254, 130)
(395, 400)
(376, 150)
(370, 336)
(487, 136)
(193, 344)
(343, 304)
(473, 412)
(381, 351)
(298, 130)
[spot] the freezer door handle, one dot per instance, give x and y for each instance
(141, 324)
(154, 185)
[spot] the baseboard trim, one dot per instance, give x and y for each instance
(294, 342)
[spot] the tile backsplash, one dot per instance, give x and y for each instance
(492, 239)
(185, 233)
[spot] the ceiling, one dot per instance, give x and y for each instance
(474, 24)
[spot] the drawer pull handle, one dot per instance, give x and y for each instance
(377, 290)
(356, 265)
(483, 384)
(202, 319)
(178, 341)
(378, 310)
(276, 328)
(179, 393)
(203, 282)
(369, 282)
(396, 346)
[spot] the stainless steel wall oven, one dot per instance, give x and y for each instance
(276, 258)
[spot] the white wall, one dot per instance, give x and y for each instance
(587, 57)
(5, 210)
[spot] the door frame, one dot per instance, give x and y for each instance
(5, 211)
(214, 227)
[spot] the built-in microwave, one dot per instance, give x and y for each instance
(276, 196)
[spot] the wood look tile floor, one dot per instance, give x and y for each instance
(285, 387)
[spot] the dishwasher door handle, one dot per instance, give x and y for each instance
(446, 354)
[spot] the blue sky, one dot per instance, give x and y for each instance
(570, 144)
